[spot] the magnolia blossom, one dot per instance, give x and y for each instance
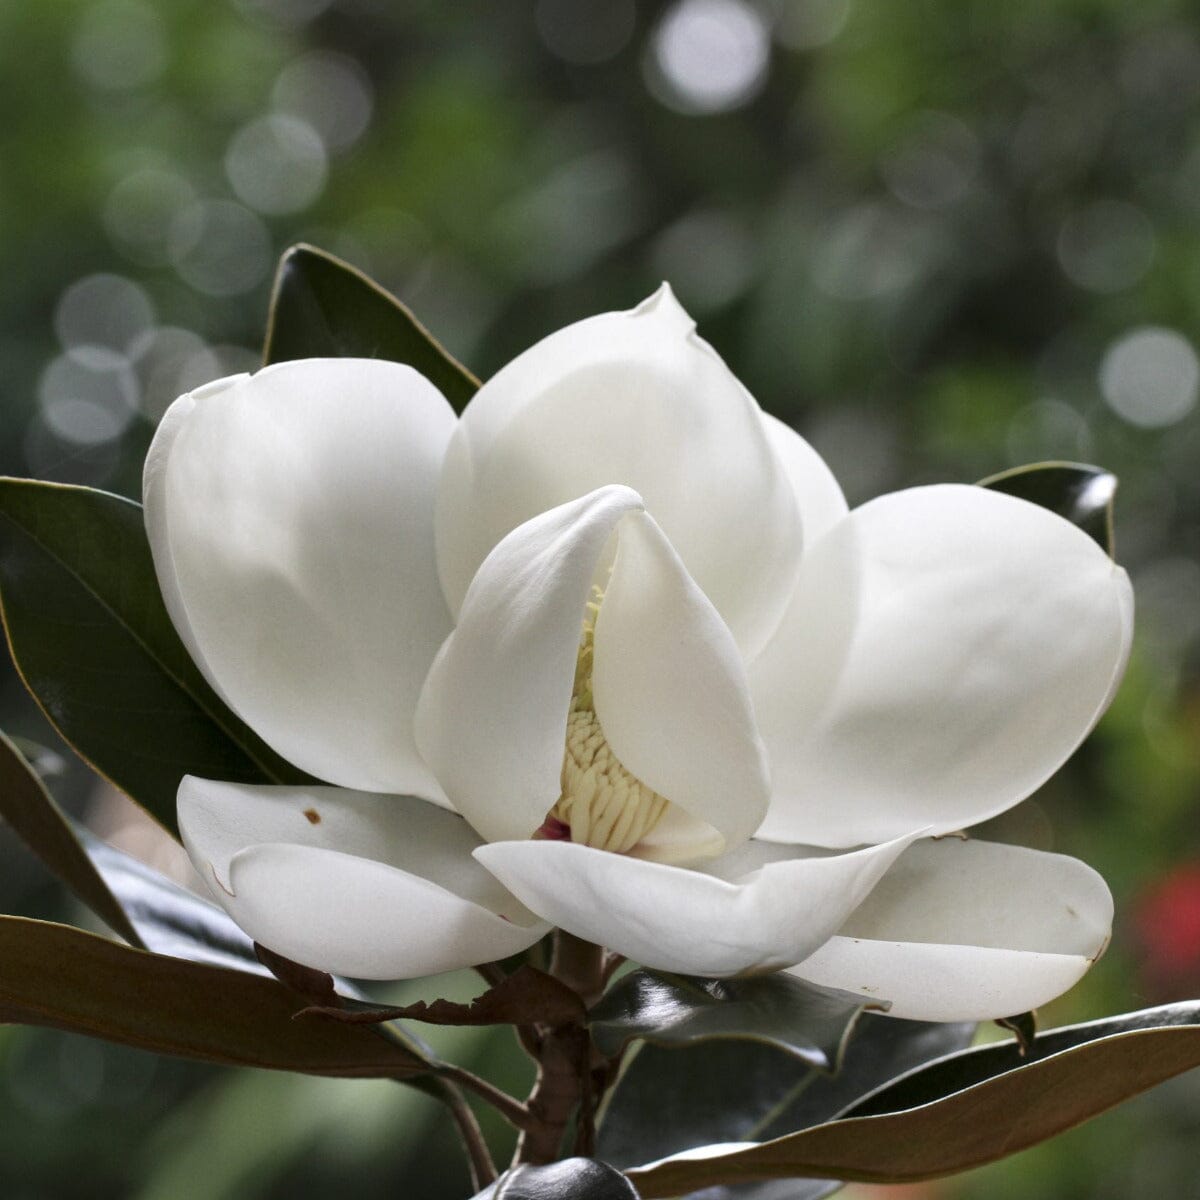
(609, 653)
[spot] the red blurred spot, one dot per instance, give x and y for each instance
(1167, 924)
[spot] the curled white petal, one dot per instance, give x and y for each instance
(290, 515)
(969, 931)
(671, 691)
(754, 911)
(492, 717)
(946, 650)
(634, 398)
(360, 884)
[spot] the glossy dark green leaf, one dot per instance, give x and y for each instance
(571, 1179)
(92, 640)
(63, 978)
(965, 1110)
(1089, 1042)
(325, 308)
(880, 1050)
(168, 918)
(669, 1100)
(809, 1022)
(45, 829)
(1082, 494)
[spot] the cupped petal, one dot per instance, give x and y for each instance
(634, 398)
(154, 489)
(946, 649)
(752, 910)
(670, 688)
(357, 883)
(290, 514)
(492, 717)
(963, 930)
(818, 495)
(1126, 611)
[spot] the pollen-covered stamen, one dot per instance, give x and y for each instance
(602, 804)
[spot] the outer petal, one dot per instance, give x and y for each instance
(946, 650)
(376, 887)
(291, 519)
(154, 480)
(740, 914)
(671, 691)
(492, 718)
(634, 398)
(969, 931)
(818, 495)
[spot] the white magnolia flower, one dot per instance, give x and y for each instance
(740, 762)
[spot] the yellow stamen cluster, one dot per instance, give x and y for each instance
(602, 804)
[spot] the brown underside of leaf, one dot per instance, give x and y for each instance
(60, 977)
(304, 981)
(527, 997)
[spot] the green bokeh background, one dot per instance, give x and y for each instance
(940, 238)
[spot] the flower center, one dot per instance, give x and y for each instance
(602, 805)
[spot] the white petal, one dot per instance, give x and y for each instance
(376, 887)
(154, 489)
(680, 838)
(492, 717)
(756, 916)
(1126, 607)
(290, 514)
(969, 931)
(946, 650)
(818, 495)
(634, 398)
(671, 691)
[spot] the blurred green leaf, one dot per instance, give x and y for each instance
(1082, 494)
(571, 1179)
(93, 642)
(325, 308)
(967, 1109)
(669, 1100)
(44, 828)
(63, 978)
(812, 1023)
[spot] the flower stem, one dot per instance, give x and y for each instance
(564, 1077)
(511, 1109)
(579, 965)
(479, 1157)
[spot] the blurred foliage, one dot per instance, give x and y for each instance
(942, 238)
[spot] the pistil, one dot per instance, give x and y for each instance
(602, 804)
